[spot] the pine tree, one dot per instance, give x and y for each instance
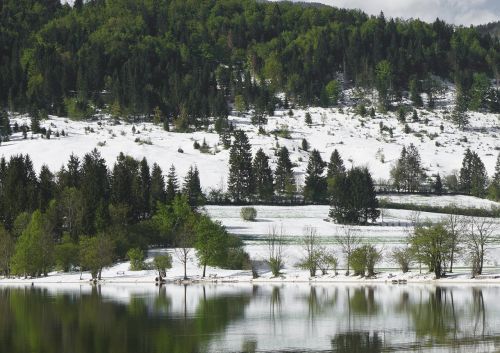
(192, 188)
(408, 173)
(415, 96)
(157, 186)
(283, 175)
(459, 115)
(46, 188)
(263, 176)
(438, 185)
(355, 200)
(315, 183)
(240, 183)
(145, 188)
(172, 189)
(308, 119)
(473, 177)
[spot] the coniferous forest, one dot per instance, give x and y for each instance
(186, 65)
(185, 61)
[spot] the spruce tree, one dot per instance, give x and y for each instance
(263, 176)
(240, 183)
(438, 185)
(145, 188)
(315, 183)
(473, 177)
(157, 186)
(284, 179)
(46, 189)
(335, 166)
(192, 188)
(355, 200)
(172, 189)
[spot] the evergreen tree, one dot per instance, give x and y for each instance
(335, 168)
(438, 185)
(263, 176)
(283, 175)
(157, 186)
(415, 96)
(145, 188)
(473, 177)
(95, 189)
(192, 188)
(355, 200)
(408, 173)
(46, 188)
(459, 115)
(172, 189)
(241, 181)
(315, 183)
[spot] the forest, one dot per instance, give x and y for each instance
(186, 62)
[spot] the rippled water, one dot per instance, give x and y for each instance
(250, 318)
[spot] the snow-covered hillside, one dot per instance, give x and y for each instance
(360, 141)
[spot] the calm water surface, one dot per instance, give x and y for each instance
(249, 318)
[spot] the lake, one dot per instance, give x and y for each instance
(249, 318)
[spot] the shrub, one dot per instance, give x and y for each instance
(248, 214)
(161, 264)
(136, 257)
(402, 256)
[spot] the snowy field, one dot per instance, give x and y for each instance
(359, 141)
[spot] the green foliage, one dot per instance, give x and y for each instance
(136, 258)
(248, 214)
(333, 90)
(308, 119)
(354, 200)
(241, 180)
(315, 183)
(34, 249)
(403, 257)
(263, 176)
(6, 251)
(96, 253)
(479, 91)
(473, 177)
(66, 254)
(162, 263)
(431, 245)
(78, 109)
(364, 259)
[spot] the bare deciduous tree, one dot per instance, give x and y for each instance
(349, 240)
(478, 240)
(275, 246)
(455, 225)
(312, 248)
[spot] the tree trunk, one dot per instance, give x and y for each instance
(185, 268)
(204, 270)
(99, 275)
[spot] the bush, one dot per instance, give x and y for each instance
(136, 257)
(402, 256)
(248, 214)
(161, 264)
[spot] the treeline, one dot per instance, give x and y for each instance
(408, 175)
(181, 62)
(350, 192)
(86, 216)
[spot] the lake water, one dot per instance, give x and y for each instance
(249, 318)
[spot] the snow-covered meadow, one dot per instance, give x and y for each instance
(360, 141)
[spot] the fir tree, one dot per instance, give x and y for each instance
(240, 183)
(263, 176)
(172, 189)
(145, 187)
(473, 177)
(355, 200)
(283, 175)
(46, 188)
(192, 188)
(438, 185)
(157, 186)
(315, 183)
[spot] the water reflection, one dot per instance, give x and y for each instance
(246, 318)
